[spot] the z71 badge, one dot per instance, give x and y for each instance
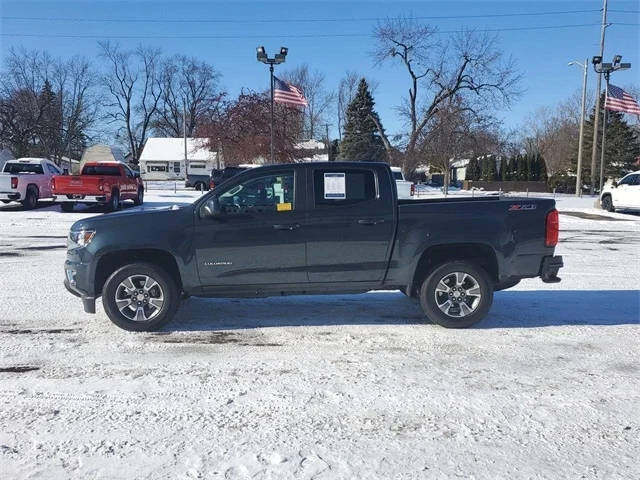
(522, 206)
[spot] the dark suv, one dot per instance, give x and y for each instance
(222, 175)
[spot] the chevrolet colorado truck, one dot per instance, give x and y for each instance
(104, 183)
(314, 228)
(27, 180)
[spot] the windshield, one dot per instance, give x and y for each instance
(101, 170)
(32, 168)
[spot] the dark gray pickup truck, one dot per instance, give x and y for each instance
(316, 228)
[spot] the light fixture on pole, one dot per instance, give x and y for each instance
(278, 59)
(606, 69)
(580, 140)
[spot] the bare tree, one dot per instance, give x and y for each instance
(48, 105)
(319, 98)
(134, 89)
(467, 65)
(186, 82)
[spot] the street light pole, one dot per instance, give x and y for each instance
(581, 139)
(606, 69)
(278, 59)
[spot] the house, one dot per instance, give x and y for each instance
(163, 158)
(99, 153)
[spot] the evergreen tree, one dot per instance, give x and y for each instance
(505, 169)
(521, 168)
(473, 169)
(622, 146)
(361, 140)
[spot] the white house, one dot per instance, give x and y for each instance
(163, 158)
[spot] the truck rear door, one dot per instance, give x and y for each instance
(351, 223)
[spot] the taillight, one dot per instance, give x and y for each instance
(413, 189)
(14, 182)
(211, 185)
(553, 229)
(100, 185)
(53, 183)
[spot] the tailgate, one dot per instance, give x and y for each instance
(5, 182)
(77, 184)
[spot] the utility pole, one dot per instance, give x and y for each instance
(594, 151)
(326, 126)
(184, 133)
(581, 139)
(279, 58)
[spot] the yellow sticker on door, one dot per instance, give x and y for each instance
(283, 207)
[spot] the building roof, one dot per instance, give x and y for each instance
(102, 153)
(172, 149)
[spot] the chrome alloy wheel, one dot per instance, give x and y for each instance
(139, 298)
(458, 294)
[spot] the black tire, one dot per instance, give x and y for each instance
(200, 186)
(67, 206)
(113, 288)
(139, 200)
(31, 198)
(607, 203)
(114, 203)
(476, 310)
(5, 201)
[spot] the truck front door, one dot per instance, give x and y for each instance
(351, 224)
(259, 237)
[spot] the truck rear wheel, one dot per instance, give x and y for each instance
(140, 197)
(31, 198)
(140, 297)
(114, 203)
(456, 294)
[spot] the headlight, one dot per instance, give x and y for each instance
(81, 238)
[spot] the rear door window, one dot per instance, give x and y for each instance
(344, 187)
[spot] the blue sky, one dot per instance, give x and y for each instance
(542, 55)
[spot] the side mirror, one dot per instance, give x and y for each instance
(65, 171)
(212, 208)
(614, 184)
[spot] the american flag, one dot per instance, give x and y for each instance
(621, 101)
(288, 94)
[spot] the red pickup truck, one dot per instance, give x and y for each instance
(98, 183)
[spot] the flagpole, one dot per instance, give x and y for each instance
(604, 128)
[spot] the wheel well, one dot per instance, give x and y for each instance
(111, 262)
(33, 185)
(481, 254)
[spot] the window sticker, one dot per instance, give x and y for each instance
(283, 207)
(334, 186)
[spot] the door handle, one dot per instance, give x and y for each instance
(369, 221)
(292, 226)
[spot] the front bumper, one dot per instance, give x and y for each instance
(75, 274)
(80, 198)
(549, 269)
(14, 196)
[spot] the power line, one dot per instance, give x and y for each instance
(290, 20)
(303, 35)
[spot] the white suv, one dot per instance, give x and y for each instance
(27, 180)
(623, 195)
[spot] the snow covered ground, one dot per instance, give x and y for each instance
(333, 387)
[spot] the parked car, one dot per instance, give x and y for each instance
(27, 180)
(197, 181)
(405, 188)
(104, 183)
(312, 228)
(623, 195)
(221, 175)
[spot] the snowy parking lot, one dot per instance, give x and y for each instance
(324, 387)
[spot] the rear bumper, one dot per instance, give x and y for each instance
(76, 198)
(549, 269)
(14, 196)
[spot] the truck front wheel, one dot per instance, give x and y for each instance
(140, 297)
(456, 294)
